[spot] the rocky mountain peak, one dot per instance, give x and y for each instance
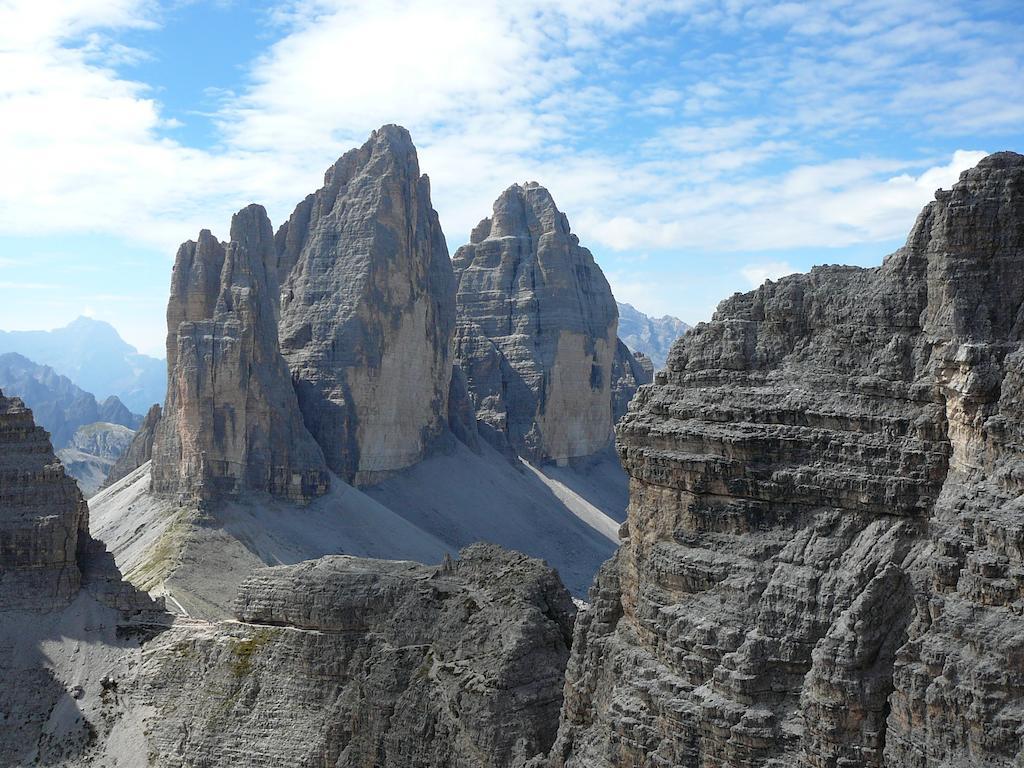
(368, 309)
(537, 325)
(231, 421)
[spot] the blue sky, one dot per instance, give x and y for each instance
(697, 146)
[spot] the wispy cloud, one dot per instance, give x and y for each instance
(661, 124)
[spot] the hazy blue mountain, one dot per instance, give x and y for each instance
(59, 406)
(93, 355)
(651, 335)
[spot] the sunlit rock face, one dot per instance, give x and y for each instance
(536, 333)
(368, 309)
(825, 556)
(231, 422)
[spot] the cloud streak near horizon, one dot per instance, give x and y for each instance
(717, 140)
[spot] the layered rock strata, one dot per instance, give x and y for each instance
(824, 557)
(42, 516)
(352, 662)
(368, 309)
(536, 334)
(231, 421)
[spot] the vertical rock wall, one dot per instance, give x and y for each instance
(231, 422)
(368, 310)
(536, 336)
(42, 516)
(824, 562)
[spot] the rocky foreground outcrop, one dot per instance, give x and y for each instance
(368, 309)
(536, 331)
(351, 662)
(825, 554)
(231, 423)
(67, 621)
(42, 516)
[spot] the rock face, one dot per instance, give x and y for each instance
(368, 310)
(60, 406)
(536, 335)
(630, 371)
(42, 516)
(139, 451)
(825, 561)
(351, 662)
(231, 421)
(653, 336)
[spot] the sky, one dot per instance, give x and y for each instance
(698, 147)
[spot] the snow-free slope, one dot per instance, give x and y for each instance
(568, 517)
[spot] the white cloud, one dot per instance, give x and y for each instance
(756, 274)
(497, 92)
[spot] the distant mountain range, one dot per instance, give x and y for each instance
(58, 404)
(651, 335)
(93, 355)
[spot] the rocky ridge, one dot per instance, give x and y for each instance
(351, 662)
(824, 556)
(367, 310)
(653, 336)
(59, 405)
(630, 371)
(43, 516)
(231, 422)
(92, 452)
(536, 331)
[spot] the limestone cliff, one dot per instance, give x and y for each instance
(231, 422)
(536, 335)
(351, 662)
(824, 562)
(42, 516)
(368, 309)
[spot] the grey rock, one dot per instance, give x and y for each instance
(367, 310)
(231, 422)
(653, 336)
(102, 439)
(536, 334)
(42, 516)
(822, 564)
(139, 451)
(352, 662)
(630, 371)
